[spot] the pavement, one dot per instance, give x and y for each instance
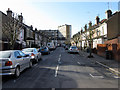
(110, 64)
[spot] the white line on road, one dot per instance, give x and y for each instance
(60, 55)
(58, 59)
(116, 77)
(78, 62)
(56, 71)
(95, 76)
(35, 64)
(53, 88)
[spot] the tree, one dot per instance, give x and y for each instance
(76, 38)
(88, 35)
(11, 29)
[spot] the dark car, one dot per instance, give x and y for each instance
(44, 50)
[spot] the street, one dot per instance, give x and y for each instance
(60, 69)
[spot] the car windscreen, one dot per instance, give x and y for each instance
(27, 50)
(5, 54)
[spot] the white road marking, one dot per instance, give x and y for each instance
(96, 76)
(56, 71)
(35, 64)
(53, 88)
(116, 77)
(58, 59)
(78, 62)
(60, 55)
(108, 67)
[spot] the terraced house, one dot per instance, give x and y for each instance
(105, 32)
(15, 33)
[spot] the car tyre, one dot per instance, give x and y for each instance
(17, 72)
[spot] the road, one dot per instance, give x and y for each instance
(60, 69)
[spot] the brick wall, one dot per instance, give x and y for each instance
(112, 45)
(101, 48)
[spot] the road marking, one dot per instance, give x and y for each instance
(56, 71)
(78, 62)
(96, 76)
(35, 64)
(58, 59)
(116, 77)
(60, 55)
(53, 88)
(108, 68)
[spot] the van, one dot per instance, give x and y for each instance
(51, 46)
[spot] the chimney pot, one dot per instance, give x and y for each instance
(9, 12)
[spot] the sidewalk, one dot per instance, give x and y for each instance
(112, 65)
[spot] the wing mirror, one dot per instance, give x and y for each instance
(19, 56)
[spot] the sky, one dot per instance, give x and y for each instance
(45, 15)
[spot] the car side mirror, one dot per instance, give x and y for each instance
(19, 56)
(27, 55)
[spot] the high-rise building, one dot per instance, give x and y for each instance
(65, 31)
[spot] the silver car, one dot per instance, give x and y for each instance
(73, 49)
(12, 62)
(33, 52)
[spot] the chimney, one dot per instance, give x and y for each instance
(97, 20)
(20, 17)
(90, 24)
(85, 27)
(108, 14)
(81, 30)
(9, 12)
(36, 29)
(31, 27)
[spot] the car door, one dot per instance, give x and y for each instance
(26, 60)
(37, 53)
(19, 60)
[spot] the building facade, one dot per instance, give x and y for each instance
(22, 34)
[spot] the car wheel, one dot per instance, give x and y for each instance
(30, 64)
(17, 72)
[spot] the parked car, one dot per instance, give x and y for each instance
(73, 49)
(12, 62)
(51, 46)
(33, 52)
(44, 50)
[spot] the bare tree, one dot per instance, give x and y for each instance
(89, 38)
(76, 38)
(11, 29)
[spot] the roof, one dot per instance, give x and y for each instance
(102, 21)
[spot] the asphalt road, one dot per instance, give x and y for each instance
(60, 69)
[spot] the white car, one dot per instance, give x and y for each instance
(51, 46)
(12, 62)
(33, 52)
(73, 49)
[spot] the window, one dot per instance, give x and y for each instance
(16, 54)
(21, 53)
